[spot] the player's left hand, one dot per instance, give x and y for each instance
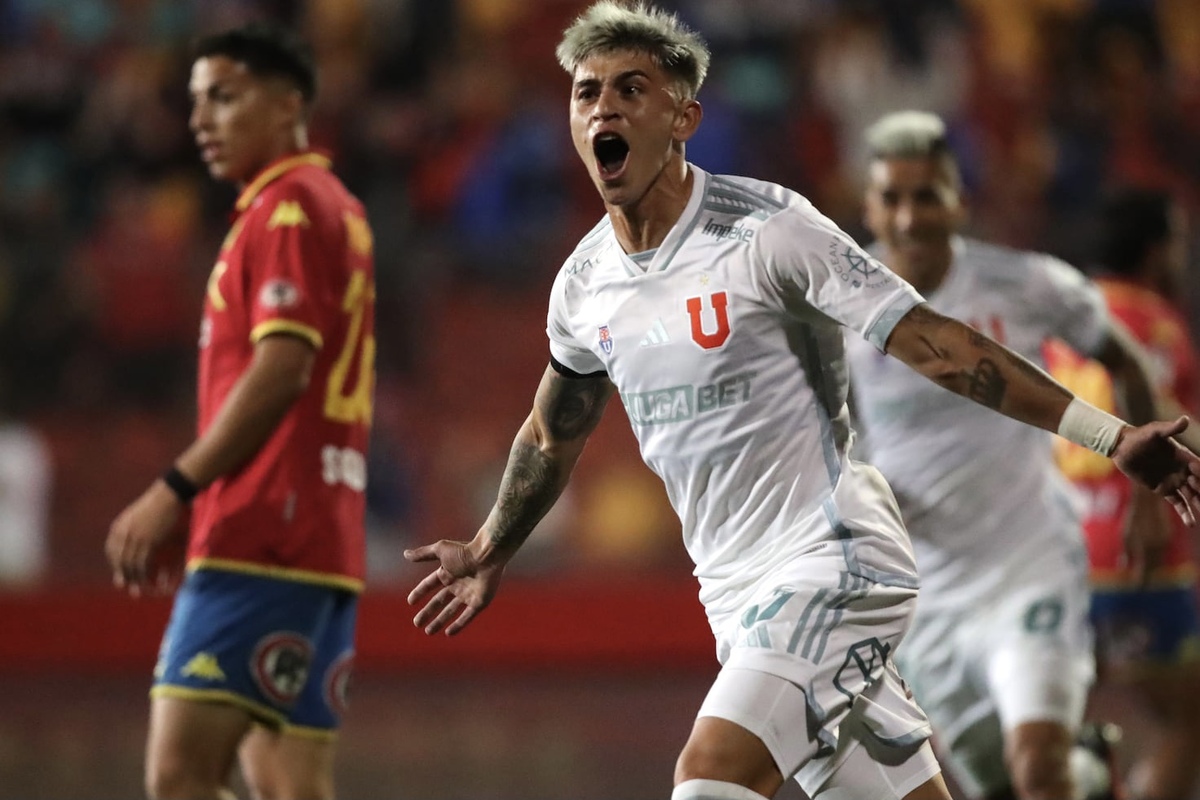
(1149, 455)
(136, 537)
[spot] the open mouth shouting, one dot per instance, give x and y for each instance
(612, 155)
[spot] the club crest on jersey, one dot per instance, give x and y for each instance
(279, 294)
(280, 665)
(606, 340)
(855, 267)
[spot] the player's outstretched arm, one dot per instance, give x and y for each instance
(565, 412)
(965, 361)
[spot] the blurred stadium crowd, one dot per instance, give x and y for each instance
(447, 117)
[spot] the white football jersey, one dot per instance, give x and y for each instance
(726, 346)
(982, 498)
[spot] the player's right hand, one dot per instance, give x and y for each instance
(135, 538)
(455, 592)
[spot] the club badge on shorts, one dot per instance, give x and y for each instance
(337, 683)
(606, 340)
(280, 665)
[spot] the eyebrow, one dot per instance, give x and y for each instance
(620, 78)
(209, 88)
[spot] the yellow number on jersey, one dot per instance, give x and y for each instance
(354, 407)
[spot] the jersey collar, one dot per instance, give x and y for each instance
(274, 170)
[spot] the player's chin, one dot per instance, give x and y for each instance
(217, 169)
(225, 170)
(614, 193)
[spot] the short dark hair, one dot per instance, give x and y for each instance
(1131, 222)
(267, 51)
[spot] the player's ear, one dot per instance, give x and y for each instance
(687, 120)
(289, 103)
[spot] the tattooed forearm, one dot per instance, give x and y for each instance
(966, 361)
(986, 384)
(572, 406)
(565, 411)
(529, 488)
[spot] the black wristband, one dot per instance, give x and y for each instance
(179, 483)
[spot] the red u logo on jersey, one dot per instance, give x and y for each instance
(695, 307)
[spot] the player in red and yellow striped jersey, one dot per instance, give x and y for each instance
(1148, 635)
(257, 656)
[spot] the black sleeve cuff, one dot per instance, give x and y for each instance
(567, 372)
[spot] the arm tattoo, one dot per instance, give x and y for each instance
(529, 487)
(572, 406)
(534, 477)
(985, 384)
(995, 367)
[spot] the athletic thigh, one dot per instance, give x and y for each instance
(192, 744)
(280, 764)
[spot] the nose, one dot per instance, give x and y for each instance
(904, 216)
(605, 107)
(199, 119)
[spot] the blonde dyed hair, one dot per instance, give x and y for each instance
(913, 134)
(610, 26)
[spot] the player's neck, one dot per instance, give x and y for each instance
(643, 224)
(294, 144)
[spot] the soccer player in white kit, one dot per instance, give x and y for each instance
(1000, 653)
(715, 306)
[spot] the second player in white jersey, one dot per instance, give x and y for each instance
(975, 487)
(728, 334)
(999, 653)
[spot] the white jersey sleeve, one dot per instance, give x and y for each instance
(812, 264)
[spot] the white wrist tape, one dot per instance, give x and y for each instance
(1088, 426)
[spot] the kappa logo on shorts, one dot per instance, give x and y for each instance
(337, 683)
(864, 662)
(203, 666)
(280, 665)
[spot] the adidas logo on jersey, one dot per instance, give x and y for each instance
(656, 335)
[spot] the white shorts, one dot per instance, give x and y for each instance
(980, 672)
(807, 668)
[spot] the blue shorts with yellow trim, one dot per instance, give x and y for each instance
(281, 649)
(1140, 626)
